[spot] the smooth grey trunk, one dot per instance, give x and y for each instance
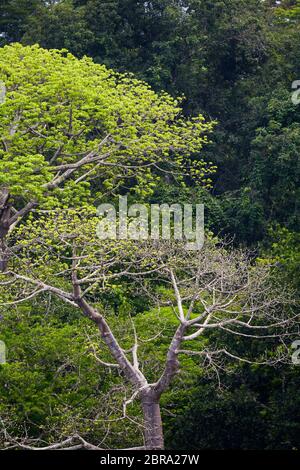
(149, 396)
(153, 429)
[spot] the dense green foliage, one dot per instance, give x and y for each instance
(58, 108)
(234, 62)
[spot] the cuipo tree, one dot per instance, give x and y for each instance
(69, 124)
(214, 289)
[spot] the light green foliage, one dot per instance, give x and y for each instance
(287, 13)
(59, 109)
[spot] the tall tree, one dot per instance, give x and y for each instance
(212, 289)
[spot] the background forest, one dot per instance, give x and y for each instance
(233, 61)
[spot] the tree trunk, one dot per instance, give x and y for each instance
(153, 430)
(5, 212)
